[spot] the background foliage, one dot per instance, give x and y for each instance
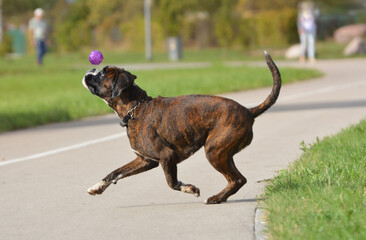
(119, 24)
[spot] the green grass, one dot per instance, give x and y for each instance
(323, 194)
(32, 96)
(214, 80)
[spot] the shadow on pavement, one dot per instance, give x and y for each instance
(189, 203)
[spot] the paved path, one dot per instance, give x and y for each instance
(45, 171)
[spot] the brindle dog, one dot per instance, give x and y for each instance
(167, 131)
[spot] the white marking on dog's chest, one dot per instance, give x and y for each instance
(149, 158)
(110, 107)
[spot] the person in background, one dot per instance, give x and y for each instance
(38, 34)
(306, 26)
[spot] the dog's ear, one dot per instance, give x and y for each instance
(122, 80)
(130, 76)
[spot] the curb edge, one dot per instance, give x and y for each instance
(260, 225)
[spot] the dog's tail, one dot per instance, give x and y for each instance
(272, 97)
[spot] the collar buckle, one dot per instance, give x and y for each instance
(129, 115)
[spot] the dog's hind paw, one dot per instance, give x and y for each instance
(188, 188)
(98, 188)
(214, 200)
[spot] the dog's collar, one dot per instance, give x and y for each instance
(129, 114)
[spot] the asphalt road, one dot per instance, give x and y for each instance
(45, 171)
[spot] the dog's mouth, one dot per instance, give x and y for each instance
(88, 80)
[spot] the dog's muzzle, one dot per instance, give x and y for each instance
(88, 79)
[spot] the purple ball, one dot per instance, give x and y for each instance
(95, 57)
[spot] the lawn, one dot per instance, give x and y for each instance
(323, 194)
(32, 96)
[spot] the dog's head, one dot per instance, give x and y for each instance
(108, 83)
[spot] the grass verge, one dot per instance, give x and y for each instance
(31, 96)
(323, 194)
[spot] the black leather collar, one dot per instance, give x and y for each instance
(129, 114)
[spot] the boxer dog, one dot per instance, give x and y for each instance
(167, 131)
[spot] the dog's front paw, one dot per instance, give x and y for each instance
(98, 188)
(190, 189)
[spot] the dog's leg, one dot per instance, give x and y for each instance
(235, 179)
(220, 148)
(170, 171)
(136, 166)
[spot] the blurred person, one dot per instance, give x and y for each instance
(38, 34)
(306, 26)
